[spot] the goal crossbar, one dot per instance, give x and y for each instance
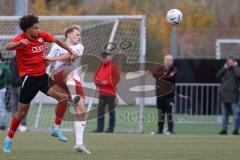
(219, 42)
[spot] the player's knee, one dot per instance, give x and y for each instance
(80, 104)
(58, 95)
(80, 109)
(80, 112)
(62, 97)
(80, 116)
(22, 110)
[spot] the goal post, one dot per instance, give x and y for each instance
(142, 61)
(97, 31)
(219, 47)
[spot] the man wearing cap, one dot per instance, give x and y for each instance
(106, 79)
(229, 93)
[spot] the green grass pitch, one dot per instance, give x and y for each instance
(192, 142)
(127, 120)
(41, 146)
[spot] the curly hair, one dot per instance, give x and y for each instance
(27, 21)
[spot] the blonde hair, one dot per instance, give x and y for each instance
(71, 29)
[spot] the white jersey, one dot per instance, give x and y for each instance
(59, 65)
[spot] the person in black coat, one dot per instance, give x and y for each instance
(165, 101)
(14, 88)
(229, 93)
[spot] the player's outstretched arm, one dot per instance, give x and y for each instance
(65, 46)
(14, 45)
(67, 57)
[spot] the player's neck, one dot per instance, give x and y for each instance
(69, 43)
(107, 62)
(29, 36)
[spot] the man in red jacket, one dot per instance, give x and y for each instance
(107, 77)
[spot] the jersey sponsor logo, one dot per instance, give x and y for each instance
(37, 49)
(64, 62)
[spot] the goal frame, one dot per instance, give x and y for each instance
(142, 48)
(224, 41)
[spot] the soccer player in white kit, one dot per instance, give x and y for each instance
(68, 78)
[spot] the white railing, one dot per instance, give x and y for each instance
(199, 101)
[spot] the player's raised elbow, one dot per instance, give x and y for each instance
(8, 47)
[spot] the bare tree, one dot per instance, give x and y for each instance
(226, 13)
(7, 7)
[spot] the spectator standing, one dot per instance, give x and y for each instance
(229, 93)
(4, 77)
(165, 103)
(107, 77)
(14, 88)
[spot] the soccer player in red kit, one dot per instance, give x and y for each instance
(29, 46)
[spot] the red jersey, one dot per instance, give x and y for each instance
(110, 73)
(29, 57)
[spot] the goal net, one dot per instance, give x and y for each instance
(97, 32)
(225, 47)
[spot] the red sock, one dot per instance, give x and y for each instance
(13, 127)
(60, 110)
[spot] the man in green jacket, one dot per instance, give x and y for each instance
(4, 76)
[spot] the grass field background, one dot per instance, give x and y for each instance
(192, 141)
(127, 120)
(41, 146)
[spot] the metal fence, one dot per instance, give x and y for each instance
(199, 101)
(194, 103)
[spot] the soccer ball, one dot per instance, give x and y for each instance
(174, 16)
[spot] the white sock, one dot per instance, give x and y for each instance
(55, 126)
(79, 129)
(9, 138)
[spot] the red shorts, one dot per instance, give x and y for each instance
(61, 82)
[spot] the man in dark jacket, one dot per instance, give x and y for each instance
(14, 88)
(107, 77)
(4, 76)
(165, 101)
(229, 93)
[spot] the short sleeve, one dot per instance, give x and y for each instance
(17, 39)
(48, 37)
(79, 49)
